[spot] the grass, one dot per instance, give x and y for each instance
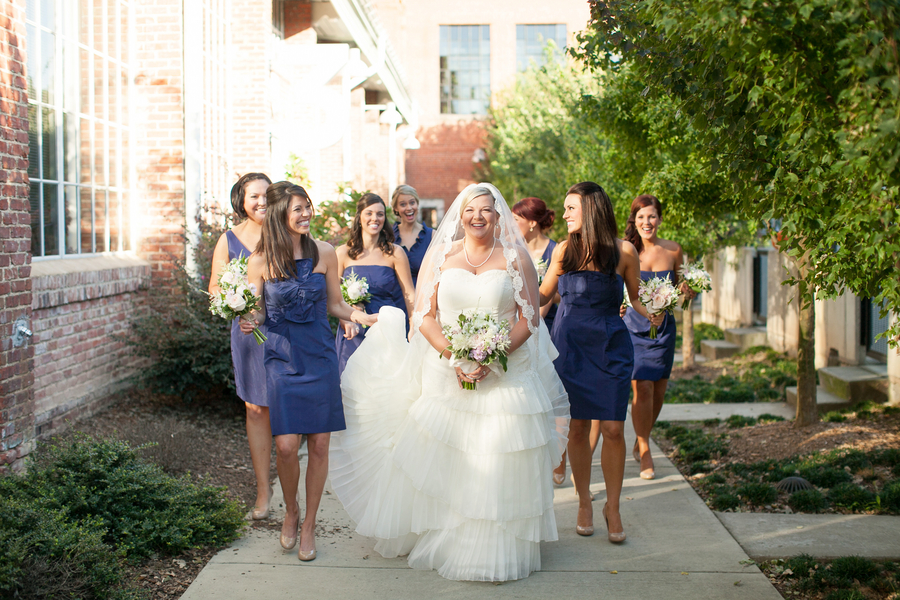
(845, 578)
(702, 331)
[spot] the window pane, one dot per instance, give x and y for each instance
(113, 175)
(34, 133)
(72, 77)
(48, 14)
(465, 69)
(112, 28)
(48, 140)
(34, 61)
(124, 158)
(100, 220)
(112, 93)
(48, 67)
(86, 211)
(532, 40)
(99, 154)
(71, 147)
(123, 34)
(86, 128)
(84, 77)
(34, 200)
(72, 224)
(126, 220)
(114, 215)
(51, 220)
(71, 21)
(31, 10)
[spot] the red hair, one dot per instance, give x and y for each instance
(535, 209)
(631, 231)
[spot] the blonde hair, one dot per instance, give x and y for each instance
(475, 192)
(403, 190)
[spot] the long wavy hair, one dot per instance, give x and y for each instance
(275, 242)
(596, 242)
(385, 236)
(631, 231)
(239, 192)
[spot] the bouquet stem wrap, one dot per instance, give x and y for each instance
(479, 338)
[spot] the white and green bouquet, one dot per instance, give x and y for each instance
(657, 295)
(236, 298)
(697, 278)
(541, 266)
(355, 289)
(477, 337)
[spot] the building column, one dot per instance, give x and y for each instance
(16, 350)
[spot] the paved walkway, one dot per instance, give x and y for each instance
(676, 549)
(700, 411)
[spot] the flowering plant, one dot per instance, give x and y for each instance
(236, 298)
(355, 289)
(657, 295)
(541, 267)
(697, 278)
(479, 338)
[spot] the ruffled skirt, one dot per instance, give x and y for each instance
(458, 480)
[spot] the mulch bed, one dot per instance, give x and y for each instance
(206, 438)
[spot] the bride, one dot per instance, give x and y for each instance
(459, 480)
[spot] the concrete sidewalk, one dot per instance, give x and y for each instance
(700, 411)
(676, 549)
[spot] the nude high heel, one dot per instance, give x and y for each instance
(307, 556)
(288, 542)
(258, 514)
(615, 538)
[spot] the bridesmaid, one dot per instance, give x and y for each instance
(299, 280)
(652, 358)
(248, 199)
(534, 220)
(595, 354)
(413, 236)
(371, 253)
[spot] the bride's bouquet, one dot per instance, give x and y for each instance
(657, 295)
(697, 278)
(236, 298)
(478, 337)
(355, 289)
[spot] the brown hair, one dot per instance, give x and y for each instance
(385, 236)
(596, 242)
(403, 190)
(631, 232)
(535, 209)
(238, 192)
(275, 240)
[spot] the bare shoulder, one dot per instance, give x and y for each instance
(398, 252)
(326, 250)
(627, 248)
(560, 248)
(669, 245)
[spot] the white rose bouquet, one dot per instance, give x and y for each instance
(236, 298)
(541, 266)
(355, 289)
(477, 339)
(697, 278)
(657, 295)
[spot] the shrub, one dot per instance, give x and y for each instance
(706, 331)
(767, 418)
(854, 459)
(701, 467)
(711, 422)
(854, 567)
(802, 565)
(833, 417)
(713, 479)
(735, 421)
(758, 493)
(724, 501)
(890, 496)
(891, 410)
(807, 501)
(142, 509)
(662, 425)
(728, 390)
(887, 458)
(846, 595)
(688, 391)
(824, 476)
(850, 495)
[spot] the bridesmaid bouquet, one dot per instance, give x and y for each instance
(541, 266)
(236, 298)
(355, 289)
(479, 338)
(657, 295)
(697, 278)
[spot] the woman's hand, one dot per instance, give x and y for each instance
(657, 319)
(686, 291)
(350, 329)
(622, 310)
(248, 323)
(364, 319)
(474, 377)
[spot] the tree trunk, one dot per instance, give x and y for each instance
(807, 410)
(687, 338)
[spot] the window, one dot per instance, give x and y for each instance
(465, 69)
(216, 146)
(531, 42)
(79, 125)
(432, 212)
(278, 18)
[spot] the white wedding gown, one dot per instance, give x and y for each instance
(459, 480)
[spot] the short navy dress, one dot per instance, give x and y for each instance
(546, 257)
(595, 353)
(417, 253)
(302, 380)
(246, 354)
(385, 290)
(652, 358)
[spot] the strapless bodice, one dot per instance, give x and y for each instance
(490, 291)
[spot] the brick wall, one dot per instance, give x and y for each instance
(159, 122)
(16, 375)
(251, 35)
(297, 19)
(79, 306)
(443, 165)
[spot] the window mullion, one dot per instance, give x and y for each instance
(61, 151)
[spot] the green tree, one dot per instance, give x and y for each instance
(796, 103)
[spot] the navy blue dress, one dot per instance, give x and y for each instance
(551, 314)
(652, 358)
(246, 354)
(417, 253)
(595, 353)
(302, 380)
(385, 290)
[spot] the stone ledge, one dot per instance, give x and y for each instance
(66, 281)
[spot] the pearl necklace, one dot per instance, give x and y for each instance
(466, 253)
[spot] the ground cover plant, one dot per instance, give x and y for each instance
(88, 507)
(845, 578)
(713, 455)
(702, 331)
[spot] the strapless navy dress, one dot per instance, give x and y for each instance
(417, 253)
(595, 353)
(652, 358)
(551, 314)
(246, 354)
(385, 290)
(302, 381)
